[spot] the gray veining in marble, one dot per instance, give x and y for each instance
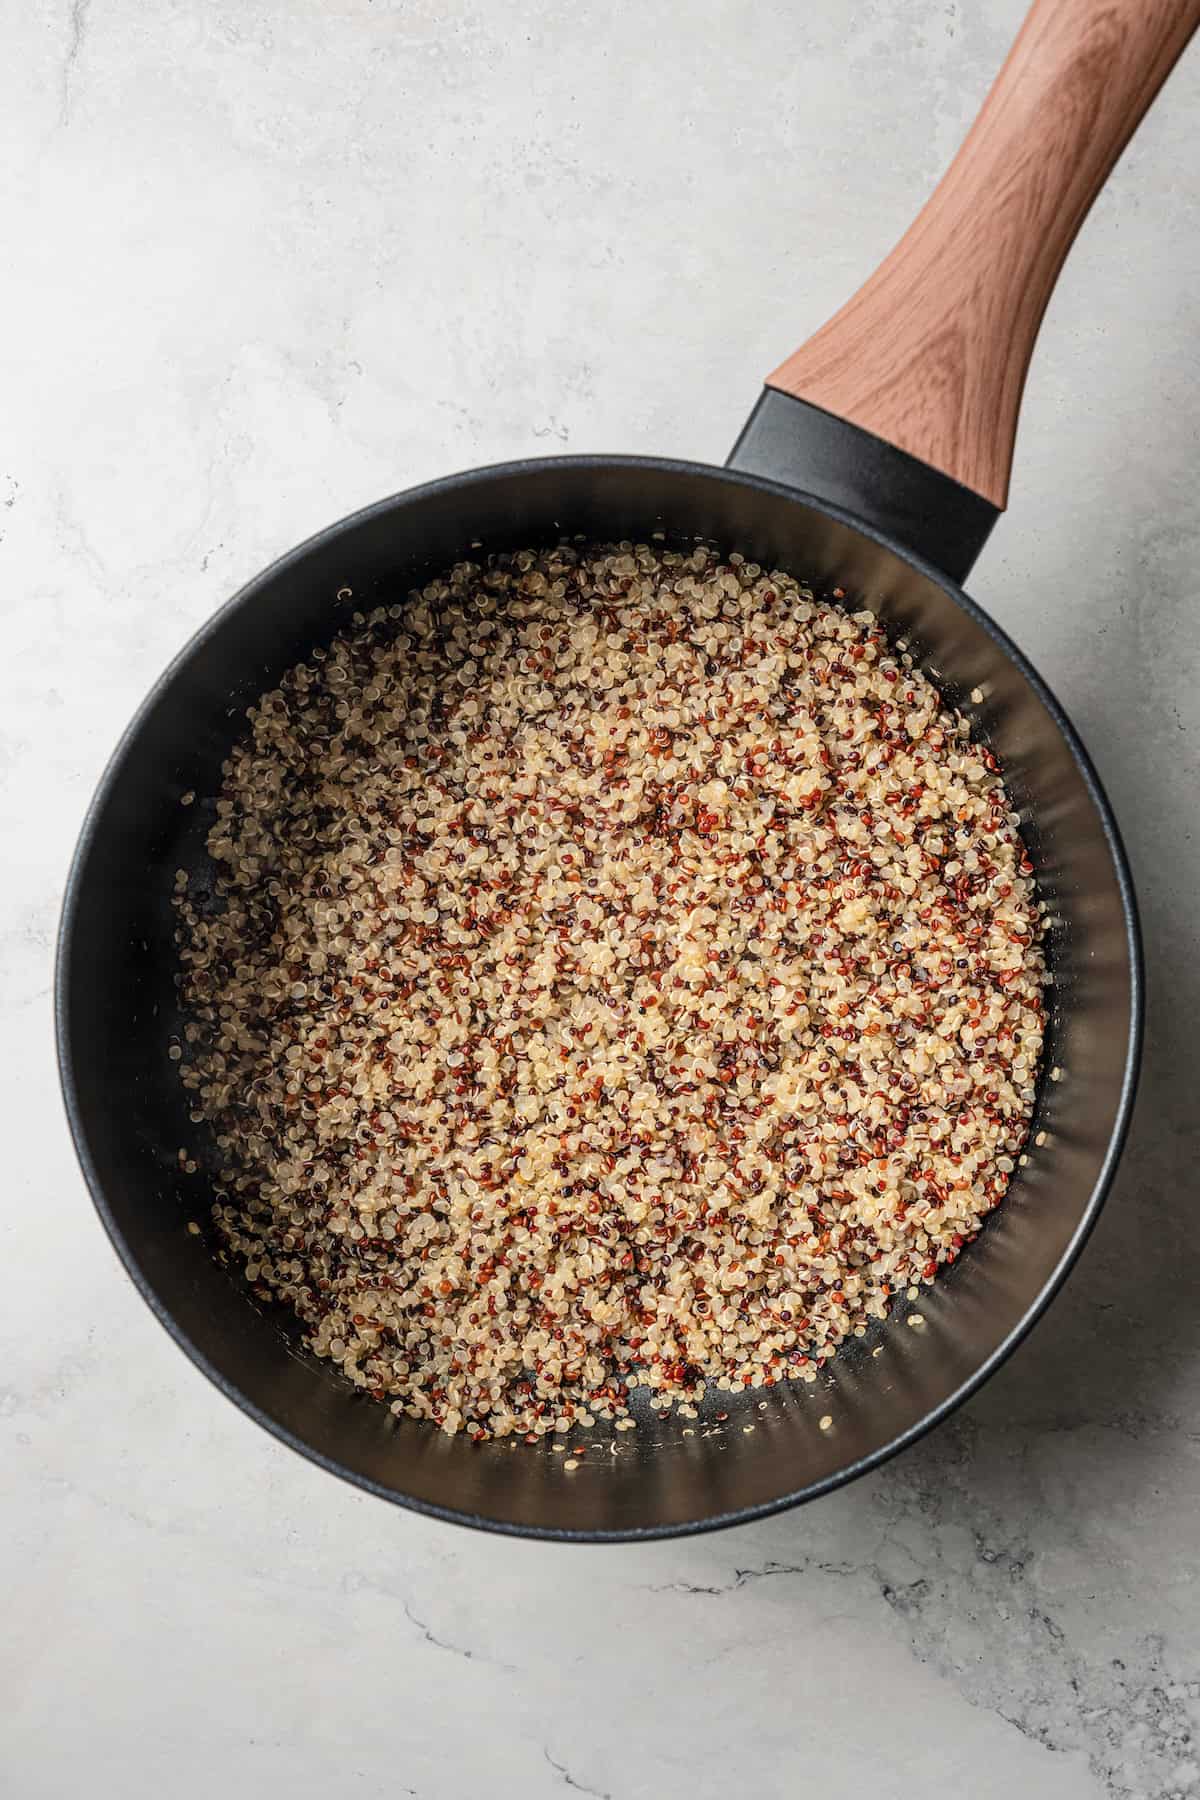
(267, 260)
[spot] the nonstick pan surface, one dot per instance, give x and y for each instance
(875, 463)
(116, 1013)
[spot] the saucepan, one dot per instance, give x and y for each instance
(875, 461)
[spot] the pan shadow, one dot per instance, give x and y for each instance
(1096, 1417)
(1032, 1553)
(1118, 1349)
(1117, 1352)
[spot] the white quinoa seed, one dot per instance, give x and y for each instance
(624, 970)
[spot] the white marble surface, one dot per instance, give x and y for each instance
(267, 260)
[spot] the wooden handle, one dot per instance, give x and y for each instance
(931, 354)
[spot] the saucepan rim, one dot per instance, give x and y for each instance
(463, 483)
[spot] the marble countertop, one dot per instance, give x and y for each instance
(268, 261)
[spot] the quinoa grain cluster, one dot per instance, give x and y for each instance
(624, 970)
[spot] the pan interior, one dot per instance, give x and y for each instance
(116, 1004)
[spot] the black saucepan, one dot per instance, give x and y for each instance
(873, 507)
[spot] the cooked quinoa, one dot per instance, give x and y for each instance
(623, 970)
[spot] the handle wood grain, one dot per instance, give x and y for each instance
(931, 354)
